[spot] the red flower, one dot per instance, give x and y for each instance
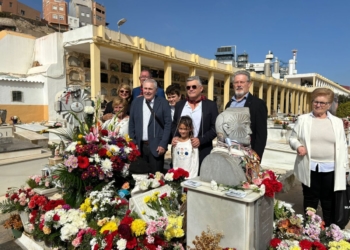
(104, 132)
(305, 245)
(56, 217)
(269, 192)
(162, 183)
(131, 244)
(83, 162)
(163, 196)
(277, 186)
(275, 242)
(132, 145)
(127, 220)
(124, 231)
(102, 152)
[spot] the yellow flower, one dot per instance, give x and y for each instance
(80, 136)
(83, 215)
(46, 230)
(127, 138)
(109, 226)
(146, 199)
(109, 154)
(156, 193)
(183, 198)
(143, 212)
(138, 227)
(158, 176)
(101, 222)
(174, 228)
(86, 206)
(78, 142)
(295, 248)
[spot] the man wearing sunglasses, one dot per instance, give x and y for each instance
(257, 109)
(138, 91)
(203, 113)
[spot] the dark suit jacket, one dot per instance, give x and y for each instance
(136, 92)
(258, 122)
(207, 131)
(156, 135)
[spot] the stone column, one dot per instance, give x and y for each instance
(268, 99)
(211, 85)
(251, 88)
(292, 103)
(167, 74)
(192, 71)
(287, 100)
(302, 107)
(283, 90)
(95, 63)
(297, 103)
(227, 89)
(261, 90)
(136, 70)
(275, 99)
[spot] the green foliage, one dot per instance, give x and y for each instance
(74, 187)
(31, 183)
(8, 206)
(343, 99)
(343, 109)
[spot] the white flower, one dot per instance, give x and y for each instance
(155, 183)
(89, 110)
(97, 158)
(121, 244)
(127, 150)
(262, 190)
(158, 176)
(144, 184)
(114, 149)
(106, 165)
(67, 231)
(169, 177)
(214, 185)
(71, 147)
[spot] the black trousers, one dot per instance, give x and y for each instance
(156, 163)
(321, 189)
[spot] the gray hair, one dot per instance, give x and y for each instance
(194, 78)
(241, 72)
(151, 81)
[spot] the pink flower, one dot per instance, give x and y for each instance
(245, 185)
(150, 239)
(77, 241)
(257, 181)
(47, 184)
(91, 137)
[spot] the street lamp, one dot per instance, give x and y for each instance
(120, 23)
(235, 53)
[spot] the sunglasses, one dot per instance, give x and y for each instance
(124, 91)
(191, 86)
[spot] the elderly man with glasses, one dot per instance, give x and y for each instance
(257, 110)
(138, 91)
(203, 113)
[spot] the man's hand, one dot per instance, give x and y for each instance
(107, 116)
(301, 151)
(160, 150)
(195, 142)
(174, 141)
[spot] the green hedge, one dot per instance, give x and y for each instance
(343, 109)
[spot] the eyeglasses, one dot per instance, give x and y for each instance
(191, 86)
(322, 104)
(124, 91)
(235, 83)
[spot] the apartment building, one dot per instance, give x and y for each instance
(55, 13)
(98, 14)
(17, 8)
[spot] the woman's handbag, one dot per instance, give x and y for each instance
(342, 207)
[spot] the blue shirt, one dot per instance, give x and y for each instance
(240, 103)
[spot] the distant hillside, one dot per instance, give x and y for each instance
(25, 25)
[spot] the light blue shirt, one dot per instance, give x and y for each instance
(238, 104)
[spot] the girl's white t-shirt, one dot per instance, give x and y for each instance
(186, 157)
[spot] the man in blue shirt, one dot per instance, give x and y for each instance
(257, 110)
(138, 91)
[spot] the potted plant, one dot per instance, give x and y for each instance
(14, 223)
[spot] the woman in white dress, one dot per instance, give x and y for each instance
(184, 155)
(120, 121)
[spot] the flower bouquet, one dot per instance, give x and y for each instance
(38, 181)
(15, 119)
(15, 224)
(16, 200)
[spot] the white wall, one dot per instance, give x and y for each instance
(16, 54)
(33, 92)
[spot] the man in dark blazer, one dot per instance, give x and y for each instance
(136, 92)
(150, 125)
(203, 113)
(257, 110)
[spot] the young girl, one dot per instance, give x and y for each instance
(184, 156)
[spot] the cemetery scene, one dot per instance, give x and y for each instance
(114, 141)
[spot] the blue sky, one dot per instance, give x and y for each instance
(318, 29)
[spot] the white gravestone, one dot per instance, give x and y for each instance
(245, 222)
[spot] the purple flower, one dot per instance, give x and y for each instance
(66, 207)
(85, 175)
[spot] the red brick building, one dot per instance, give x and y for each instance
(55, 13)
(20, 9)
